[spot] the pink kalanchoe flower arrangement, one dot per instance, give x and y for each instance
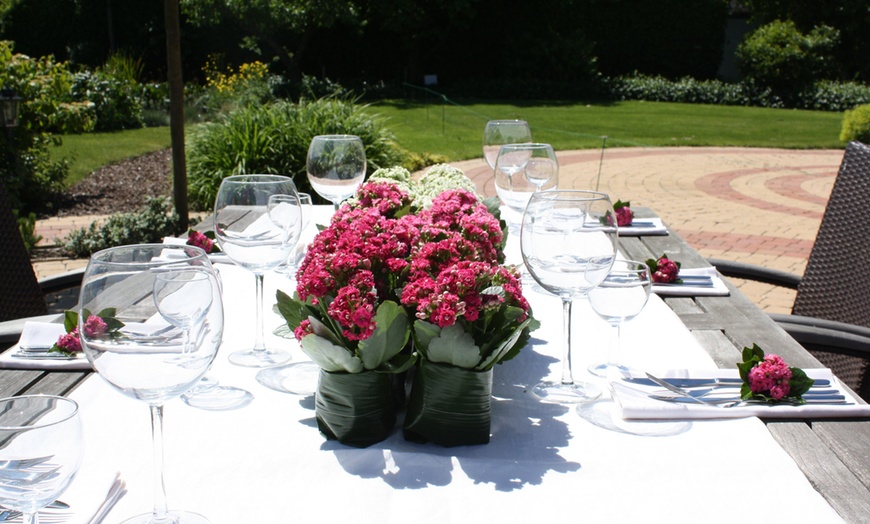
(624, 214)
(95, 326)
(768, 378)
(201, 240)
(664, 270)
(102, 325)
(70, 342)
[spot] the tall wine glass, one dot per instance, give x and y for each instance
(336, 166)
(306, 208)
(500, 132)
(520, 170)
(40, 451)
(129, 346)
(251, 238)
(568, 241)
(620, 297)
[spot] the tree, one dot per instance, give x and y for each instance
(282, 28)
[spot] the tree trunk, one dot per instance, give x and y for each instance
(176, 109)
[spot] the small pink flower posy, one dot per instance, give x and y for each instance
(772, 375)
(95, 326)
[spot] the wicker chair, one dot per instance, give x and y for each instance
(21, 295)
(831, 312)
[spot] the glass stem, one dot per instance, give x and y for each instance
(160, 510)
(259, 345)
(612, 370)
(567, 377)
(30, 518)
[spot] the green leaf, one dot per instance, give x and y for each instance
(329, 356)
(504, 348)
(424, 333)
(284, 331)
(399, 363)
(70, 320)
(389, 337)
(293, 310)
(454, 347)
(322, 330)
(109, 312)
(800, 383)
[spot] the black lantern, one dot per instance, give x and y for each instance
(9, 103)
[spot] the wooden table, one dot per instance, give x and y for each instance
(834, 455)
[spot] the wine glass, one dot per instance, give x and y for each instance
(568, 242)
(258, 239)
(124, 336)
(40, 451)
(540, 170)
(306, 208)
(336, 166)
(620, 297)
(500, 132)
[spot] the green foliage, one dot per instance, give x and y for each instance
(116, 99)
(27, 228)
(274, 139)
(779, 56)
(151, 224)
(856, 125)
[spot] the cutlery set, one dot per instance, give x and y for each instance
(726, 392)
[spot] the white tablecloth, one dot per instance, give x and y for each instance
(267, 463)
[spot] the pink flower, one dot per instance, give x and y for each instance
(70, 342)
(772, 374)
(303, 330)
(624, 216)
(198, 239)
(667, 271)
(95, 326)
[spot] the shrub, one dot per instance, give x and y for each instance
(274, 139)
(151, 224)
(27, 228)
(116, 99)
(778, 55)
(856, 125)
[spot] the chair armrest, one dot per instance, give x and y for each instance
(827, 335)
(62, 281)
(746, 271)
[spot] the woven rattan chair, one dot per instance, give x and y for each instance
(831, 312)
(22, 296)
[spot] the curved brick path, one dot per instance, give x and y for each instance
(749, 204)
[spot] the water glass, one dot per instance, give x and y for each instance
(336, 166)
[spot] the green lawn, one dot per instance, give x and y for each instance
(93, 150)
(456, 130)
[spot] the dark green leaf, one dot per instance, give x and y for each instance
(70, 320)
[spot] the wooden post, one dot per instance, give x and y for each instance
(176, 109)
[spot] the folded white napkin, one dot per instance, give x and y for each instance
(41, 336)
(686, 289)
(644, 227)
(634, 402)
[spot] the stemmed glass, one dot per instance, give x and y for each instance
(132, 350)
(306, 208)
(568, 242)
(620, 297)
(500, 132)
(336, 166)
(249, 235)
(540, 170)
(40, 451)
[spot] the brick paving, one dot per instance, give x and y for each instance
(755, 205)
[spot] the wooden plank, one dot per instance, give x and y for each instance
(834, 480)
(850, 441)
(721, 348)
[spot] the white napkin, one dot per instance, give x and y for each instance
(719, 289)
(645, 227)
(634, 402)
(41, 335)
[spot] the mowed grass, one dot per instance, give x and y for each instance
(457, 130)
(88, 152)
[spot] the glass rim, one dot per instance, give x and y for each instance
(337, 138)
(527, 145)
(100, 256)
(66, 417)
(507, 121)
(258, 178)
(582, 195)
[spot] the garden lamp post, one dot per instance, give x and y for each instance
(9, 104)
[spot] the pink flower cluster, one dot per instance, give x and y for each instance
(666, 271)
(773, 375)
(624, 216)
(95, 326)
(198, 239)
(439, 260)
(70, 342)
